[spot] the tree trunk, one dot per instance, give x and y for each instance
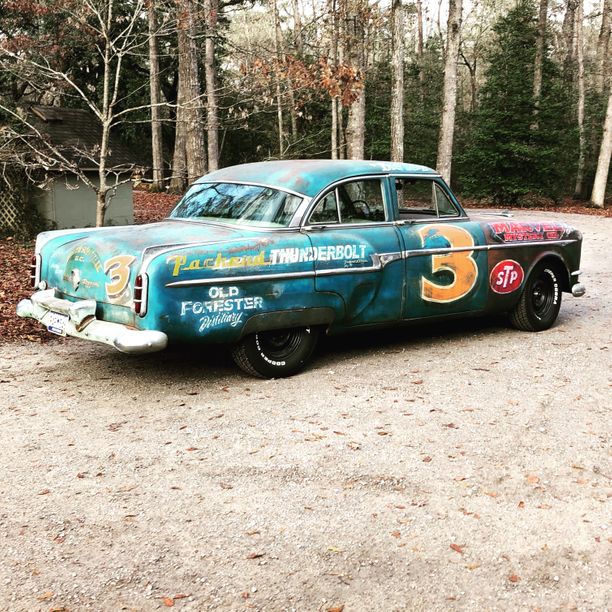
(333, 53)
(106, 120)
(279, 99)
(447, 127)
(603, 48)
(397, 91)
(568, 31)
(419, 47)
(156, 126)
(603, 163)
(539, 59)
(334, 128)
(212, 111)
(178, 181)
(355, 42)
(579, 189)
(355, 128)
(195, 150)
(298, 35)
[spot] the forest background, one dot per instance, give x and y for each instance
(508, 99)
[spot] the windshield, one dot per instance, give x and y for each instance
(240, 204)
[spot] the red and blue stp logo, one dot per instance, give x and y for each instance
(507, 276)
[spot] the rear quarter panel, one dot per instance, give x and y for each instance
(192, 295)
(519, 246)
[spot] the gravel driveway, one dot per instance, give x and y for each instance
(456, 467)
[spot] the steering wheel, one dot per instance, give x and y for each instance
(365, 207)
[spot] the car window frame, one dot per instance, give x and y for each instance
(437, 180)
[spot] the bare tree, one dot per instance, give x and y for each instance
(116, 36)
(603, 163)
(579, 188)
(156, 125)
(447, 127)
(397, 90)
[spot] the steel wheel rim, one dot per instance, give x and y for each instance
(279, 345)
(543, 295)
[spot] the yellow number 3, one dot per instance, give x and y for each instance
(118, 269)
(460, 264)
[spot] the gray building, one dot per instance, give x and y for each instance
(66, 201)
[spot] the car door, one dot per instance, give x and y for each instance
(357, 251)
(444, 252)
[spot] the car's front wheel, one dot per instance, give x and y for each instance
(275, 354)
(539, 304)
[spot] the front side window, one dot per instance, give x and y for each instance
(355, 202)
(422, 198)
(238, 204)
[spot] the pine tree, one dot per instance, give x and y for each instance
(507, 156)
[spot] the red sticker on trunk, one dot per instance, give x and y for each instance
(507, 276)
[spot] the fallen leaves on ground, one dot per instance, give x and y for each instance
(457, 548)
(514, 578)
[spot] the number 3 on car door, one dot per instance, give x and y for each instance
(460, 264)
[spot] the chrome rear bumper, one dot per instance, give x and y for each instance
(82, 323)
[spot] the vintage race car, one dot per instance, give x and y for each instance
(267, 256)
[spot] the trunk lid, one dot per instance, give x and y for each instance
(102, 264)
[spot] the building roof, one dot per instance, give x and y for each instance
(78, 134)
(309, 177)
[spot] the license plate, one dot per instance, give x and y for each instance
(56, 323)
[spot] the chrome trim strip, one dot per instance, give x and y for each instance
(379, 261)
(576, 273)
(485, 247)
(201, 181)
(249, 228)
(240, 279)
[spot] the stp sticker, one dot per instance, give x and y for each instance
(507, 276)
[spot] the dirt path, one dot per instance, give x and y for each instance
(456, 467)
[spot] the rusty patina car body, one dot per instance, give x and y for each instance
(266, 256)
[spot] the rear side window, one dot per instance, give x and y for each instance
(422, 198)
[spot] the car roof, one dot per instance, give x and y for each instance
(308, 176)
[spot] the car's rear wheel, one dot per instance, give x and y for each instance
(539, 304)
(275, 354)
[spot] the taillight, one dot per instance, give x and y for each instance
(140, 295)
(35, 270)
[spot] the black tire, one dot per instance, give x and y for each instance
(539, 304)
(276, 354)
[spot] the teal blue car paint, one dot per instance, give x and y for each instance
(349, 244)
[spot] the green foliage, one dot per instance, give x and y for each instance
(508, 153)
